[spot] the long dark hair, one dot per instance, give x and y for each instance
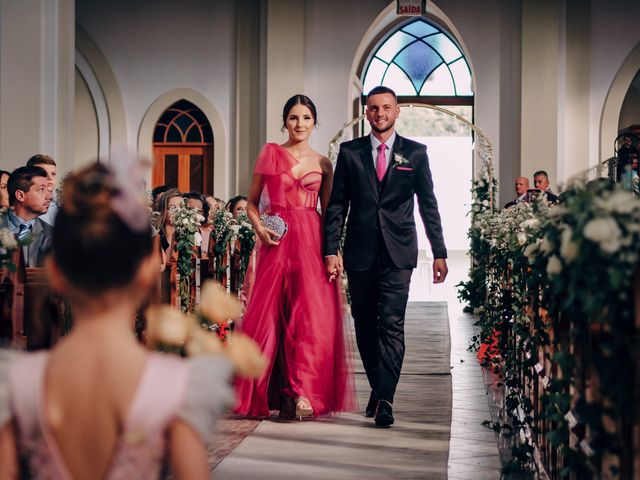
(298, 99)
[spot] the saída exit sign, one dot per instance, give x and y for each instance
(411, 7)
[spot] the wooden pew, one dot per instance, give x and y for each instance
(37, 310)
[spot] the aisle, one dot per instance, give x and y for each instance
(349, 446)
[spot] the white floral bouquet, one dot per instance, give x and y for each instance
(186, 221)
(246, 238)
(8, 244)
(222, 234)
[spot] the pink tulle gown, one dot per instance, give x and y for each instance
(295, 314)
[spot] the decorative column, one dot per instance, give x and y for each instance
(284, 60)
(37, 81)
(540, 71)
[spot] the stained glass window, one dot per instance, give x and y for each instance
(183, 122)
(419, 59)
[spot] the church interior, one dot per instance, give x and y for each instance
(498, 91)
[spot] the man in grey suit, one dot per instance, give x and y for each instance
(29, 197)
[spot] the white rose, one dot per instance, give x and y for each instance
(554, 266)
(485, 203)
(605, 232)
(185, 222)
(522, 238)
(568, 248)
(235, 228)
(620, 202)
(530, 223)
(197, 238)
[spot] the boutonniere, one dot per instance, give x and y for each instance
(399, 160)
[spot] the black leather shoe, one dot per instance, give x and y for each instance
(384, 414)
(371, 406)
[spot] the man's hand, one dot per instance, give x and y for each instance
(333, 263)
(440, 270)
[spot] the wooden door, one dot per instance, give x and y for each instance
(187, 168)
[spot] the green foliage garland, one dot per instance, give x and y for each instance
(552, 291)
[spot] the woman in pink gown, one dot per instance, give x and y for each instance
(295, 314)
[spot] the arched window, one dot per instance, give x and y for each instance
(418, 59)
(183, 149)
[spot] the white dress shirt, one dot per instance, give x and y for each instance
(375, 143)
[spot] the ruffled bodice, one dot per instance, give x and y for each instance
(283, 189)
(196, 391)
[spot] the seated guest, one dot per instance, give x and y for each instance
(49, 165)
(521, 187)
(541, 182)
(156, 195)
(169, 201)
(29, 197)
(99, 405)
(214, 205)
(237, 205)
(4, 194)
(198, 202)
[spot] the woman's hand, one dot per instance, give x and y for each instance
(268, 236)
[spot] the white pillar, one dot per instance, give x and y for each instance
(284, 60)
(540, 73)
(573, 155)
(249, 134)
(36, 81)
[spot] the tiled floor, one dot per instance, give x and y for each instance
(473, 451)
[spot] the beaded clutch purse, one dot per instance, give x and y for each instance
(276, 223)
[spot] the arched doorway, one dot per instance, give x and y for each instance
(183, 149)
(425, 65)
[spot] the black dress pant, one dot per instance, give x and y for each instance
(378, 303)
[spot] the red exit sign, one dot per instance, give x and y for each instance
(411, 7)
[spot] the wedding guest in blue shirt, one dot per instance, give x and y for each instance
(29, 198)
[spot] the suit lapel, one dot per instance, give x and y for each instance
(367, 163)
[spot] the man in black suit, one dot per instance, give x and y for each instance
(541, 182)
(29, 198)
(375, 181)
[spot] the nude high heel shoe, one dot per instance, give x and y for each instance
(303, 408)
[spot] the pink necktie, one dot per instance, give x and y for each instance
(381, 161)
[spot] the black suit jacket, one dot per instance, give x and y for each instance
(382, 210)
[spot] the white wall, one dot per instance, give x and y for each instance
(486, 32)
(160, 46)
(334, 30)
(614, 34)
(86, 121)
